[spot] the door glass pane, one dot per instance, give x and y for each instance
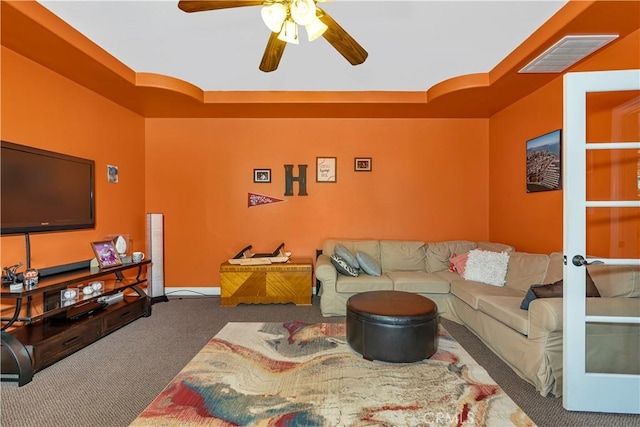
(613, 348)
(613, 232)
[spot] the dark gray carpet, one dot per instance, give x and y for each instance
(113, 380)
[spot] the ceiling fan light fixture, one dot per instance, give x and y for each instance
(274, 15)
(289, 32)
(315, 29)
(303, 11)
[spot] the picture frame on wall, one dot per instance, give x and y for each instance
(362, 164)
(106, 253)
(262, 175)
(326, 169)
(544, 162)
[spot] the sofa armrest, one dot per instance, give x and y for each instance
(326, 273)
(545, 315)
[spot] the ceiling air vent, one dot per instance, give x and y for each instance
(566, 52)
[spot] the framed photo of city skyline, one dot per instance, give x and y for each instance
(544, 162)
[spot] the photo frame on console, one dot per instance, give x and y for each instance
(106, 253)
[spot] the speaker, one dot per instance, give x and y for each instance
(155, 252)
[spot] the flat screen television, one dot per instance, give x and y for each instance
(44, 191)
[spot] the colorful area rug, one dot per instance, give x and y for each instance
(297, 374)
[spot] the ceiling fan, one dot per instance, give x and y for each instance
(283, 18)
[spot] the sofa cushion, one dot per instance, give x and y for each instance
(419, 282)
(525, 270)
(495, 247)
(616, 280)
(486, 267)
(368, 264)
(363, 283)
(439, 253)
(471, 292)
(506, 309)
(555, 268)
(343, 266)
(402, 255)
(344, 253)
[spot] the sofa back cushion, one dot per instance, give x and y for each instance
(616, 280)
(402, 255)
(525, 270)
(554, 269)
(369, 247)
(439, 253)
(495, 247)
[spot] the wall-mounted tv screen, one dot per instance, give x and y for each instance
(44, 191)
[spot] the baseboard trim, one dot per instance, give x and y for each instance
(186, 292)
(209, 291)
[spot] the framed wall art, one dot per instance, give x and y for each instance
(326, 169)
(106, 253)
(362, 164)
(544, 162)
(262, 175)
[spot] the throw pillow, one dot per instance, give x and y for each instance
(486, 267)
(555, 290)
(343, 267)
(459, 263)
(368, 264)
(344, 253)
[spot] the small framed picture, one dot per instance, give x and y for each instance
(326, 169)
(262, 175)
(106, 253)
(362, 164)
(112, 174)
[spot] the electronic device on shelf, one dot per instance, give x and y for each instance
(111, 299)
(79, 310)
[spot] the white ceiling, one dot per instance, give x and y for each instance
(412, 45)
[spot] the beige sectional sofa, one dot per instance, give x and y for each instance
(529, 341)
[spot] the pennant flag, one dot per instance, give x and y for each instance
(260, 199)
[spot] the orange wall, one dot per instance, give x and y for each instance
(533, 222)
(429, 182)
(432, 179)
(42, 109)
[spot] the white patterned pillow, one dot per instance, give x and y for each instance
(343, 267)
(487, 267)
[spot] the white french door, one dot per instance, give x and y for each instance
(584, 390)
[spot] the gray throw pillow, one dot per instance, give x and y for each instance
(342, 266)
(368, 264)
(344, 253)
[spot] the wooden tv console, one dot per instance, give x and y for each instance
(50, 329)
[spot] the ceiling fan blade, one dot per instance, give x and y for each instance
(342, 41)
(272, 53)
(202, 5)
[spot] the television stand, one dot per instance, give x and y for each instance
(44, 329)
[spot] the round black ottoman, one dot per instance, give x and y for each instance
(392, 326)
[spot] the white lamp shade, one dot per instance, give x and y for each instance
(289, 32)
(315, 29)
(303, 11)
(274, 15)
